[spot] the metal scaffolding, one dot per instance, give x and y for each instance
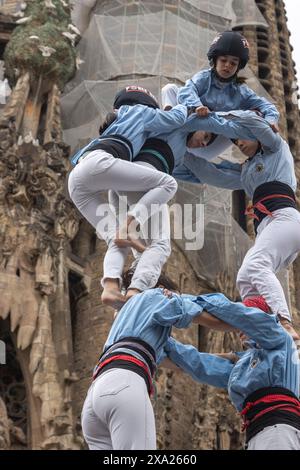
(151, 43)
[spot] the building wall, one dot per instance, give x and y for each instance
(188, 415)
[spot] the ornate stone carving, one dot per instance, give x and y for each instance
(36, 224)
(4, 427)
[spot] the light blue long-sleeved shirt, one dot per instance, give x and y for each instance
(204, 89)
(217, 123)
(273, 163)
(138, 123)
(272, 361)
(150, 316)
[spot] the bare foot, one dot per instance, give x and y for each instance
(132, 243)
(113, 298)
(289, 328)
(127, 236)
(131, 292)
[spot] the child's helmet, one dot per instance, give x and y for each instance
(230, 43)
(132, 95)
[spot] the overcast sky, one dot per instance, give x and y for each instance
(292, 10)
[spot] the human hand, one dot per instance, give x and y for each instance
(274, 127)
(231, 356)
(167, 293)
(202, 111)
(287, 325)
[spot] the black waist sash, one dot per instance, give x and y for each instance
(269, 406)
(115, 144)
(113, 357)
(269, 197)
(158, 153)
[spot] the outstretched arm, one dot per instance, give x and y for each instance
(248, 121)
(183, 173)
(196, 170)
(225, 175)
(190, 310)
(212, 322)
(203, 367)
(237, 125)
(252, 101)
(159, 121)
(258, 325)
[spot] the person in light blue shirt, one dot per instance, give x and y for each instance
(107, 163)
(155, 233)
(117, 413)
(262, 382)
(218, 89)
(268, 178)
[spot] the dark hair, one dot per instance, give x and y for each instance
(259, 147)
(190, 135)
(109, 119)
(163, 280)
(212, 138)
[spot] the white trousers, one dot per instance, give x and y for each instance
(169, 95)
(276, 247)
(277, 437)
(151, 189)
(118, 414)
(155, 233)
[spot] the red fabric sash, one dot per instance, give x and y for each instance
(288, 404)
(125, 357)
(257, 301)
(262, 208)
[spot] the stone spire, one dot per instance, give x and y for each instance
(37, 221)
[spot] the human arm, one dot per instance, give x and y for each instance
(189, 94)
(178, 311)
(182, 173)
(237, 125)
(202, 318)
(258, 325)
(250, 100)
(156, 120)
(259, 127)
(212, 322)
(231, 356)
(225, 175)
(203, 367)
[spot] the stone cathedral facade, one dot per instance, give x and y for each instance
(52, 323)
